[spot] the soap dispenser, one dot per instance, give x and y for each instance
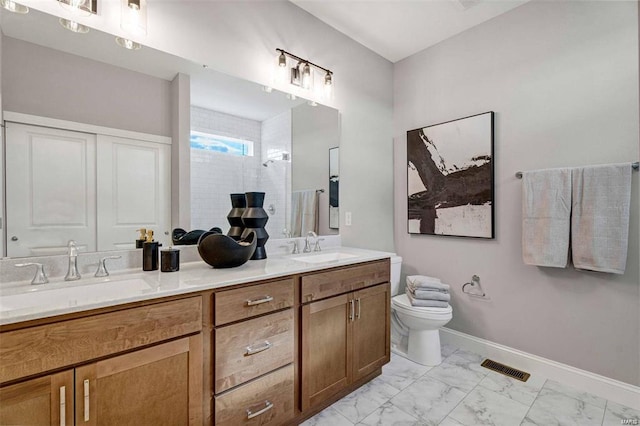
(142, 238)
(150, 253)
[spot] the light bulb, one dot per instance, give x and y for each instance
(77, 7)
(282, 60)
(133, 16)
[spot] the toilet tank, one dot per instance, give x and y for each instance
(396, 266)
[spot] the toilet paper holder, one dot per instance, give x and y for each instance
(474, 284)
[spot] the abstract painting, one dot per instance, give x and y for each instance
(450, 178)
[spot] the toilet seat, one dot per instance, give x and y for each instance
(402, 303)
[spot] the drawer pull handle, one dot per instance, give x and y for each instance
(351, 310)
(254, 302)
(267, 406)
(358, 313)
(86, 400)
(263, 347)
(63, 405)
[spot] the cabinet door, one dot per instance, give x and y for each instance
(371, 340)
(160, 385)
(46, 400)
(326, 348)
(50, 181)
(134, 191)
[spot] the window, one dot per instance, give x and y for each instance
(222, 144)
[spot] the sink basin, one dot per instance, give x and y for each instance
(55, 298)
(324, 257)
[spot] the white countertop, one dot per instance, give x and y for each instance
(25, 302)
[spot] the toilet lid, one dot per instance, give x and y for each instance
(402, 301)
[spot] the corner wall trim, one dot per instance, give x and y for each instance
(604, 387)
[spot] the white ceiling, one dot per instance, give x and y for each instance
(396, 29)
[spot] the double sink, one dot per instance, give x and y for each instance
(62, 295)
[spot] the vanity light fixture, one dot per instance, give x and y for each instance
(14, 7)
(133, 17)
(77, 8)
(301, 74)
(128, 44)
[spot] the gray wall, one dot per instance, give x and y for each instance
(562, 78)
(46, 82)
(314, 130)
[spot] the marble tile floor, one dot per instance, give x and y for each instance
(459, 392)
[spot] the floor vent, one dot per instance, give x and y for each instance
(506, 370)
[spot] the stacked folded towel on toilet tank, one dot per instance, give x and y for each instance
(427, 292)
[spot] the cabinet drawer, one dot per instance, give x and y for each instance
(247, 302)
(47, 347)
(266, 401)
(326, 284)
(249, 349)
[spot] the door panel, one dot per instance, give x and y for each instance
(46, 400)
(371, 330)
(50, 190)
(153, 386)
(326, 347)
(134, 191)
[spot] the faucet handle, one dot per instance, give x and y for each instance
(40, 277)
(102, 266)
(296, 249)
(317, 246)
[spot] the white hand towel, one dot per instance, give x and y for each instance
(600, 218)
(546, 210)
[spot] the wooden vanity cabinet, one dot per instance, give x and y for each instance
(124, 367)
(344, 338)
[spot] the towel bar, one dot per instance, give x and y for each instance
(634, 166)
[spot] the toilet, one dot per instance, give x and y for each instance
(415, 331)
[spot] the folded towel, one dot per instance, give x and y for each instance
(546, 210)
(423, 282)
(426, 303)
(600, 218)
(431, 295)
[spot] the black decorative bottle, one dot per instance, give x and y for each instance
(254, 219)
(238, 204)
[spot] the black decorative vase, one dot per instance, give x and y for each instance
(254, 219)
(238, 204)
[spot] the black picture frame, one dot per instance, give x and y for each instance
(450, 178)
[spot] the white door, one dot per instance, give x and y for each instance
(50, 190)
(134, 191)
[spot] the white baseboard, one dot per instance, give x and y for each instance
(604, 387)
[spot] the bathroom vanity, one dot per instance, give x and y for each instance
(272, 342)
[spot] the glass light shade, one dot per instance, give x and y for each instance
(128, 44)
(306, 76)
(14, 7)
(77, 7)
(133, 16)
(73, 26)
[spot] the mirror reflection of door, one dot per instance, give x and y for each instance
(334, 184)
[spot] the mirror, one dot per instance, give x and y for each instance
(132, 91)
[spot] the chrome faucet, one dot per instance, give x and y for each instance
(40, 277)
(72, 273)
(307, 246)
(102, 266)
